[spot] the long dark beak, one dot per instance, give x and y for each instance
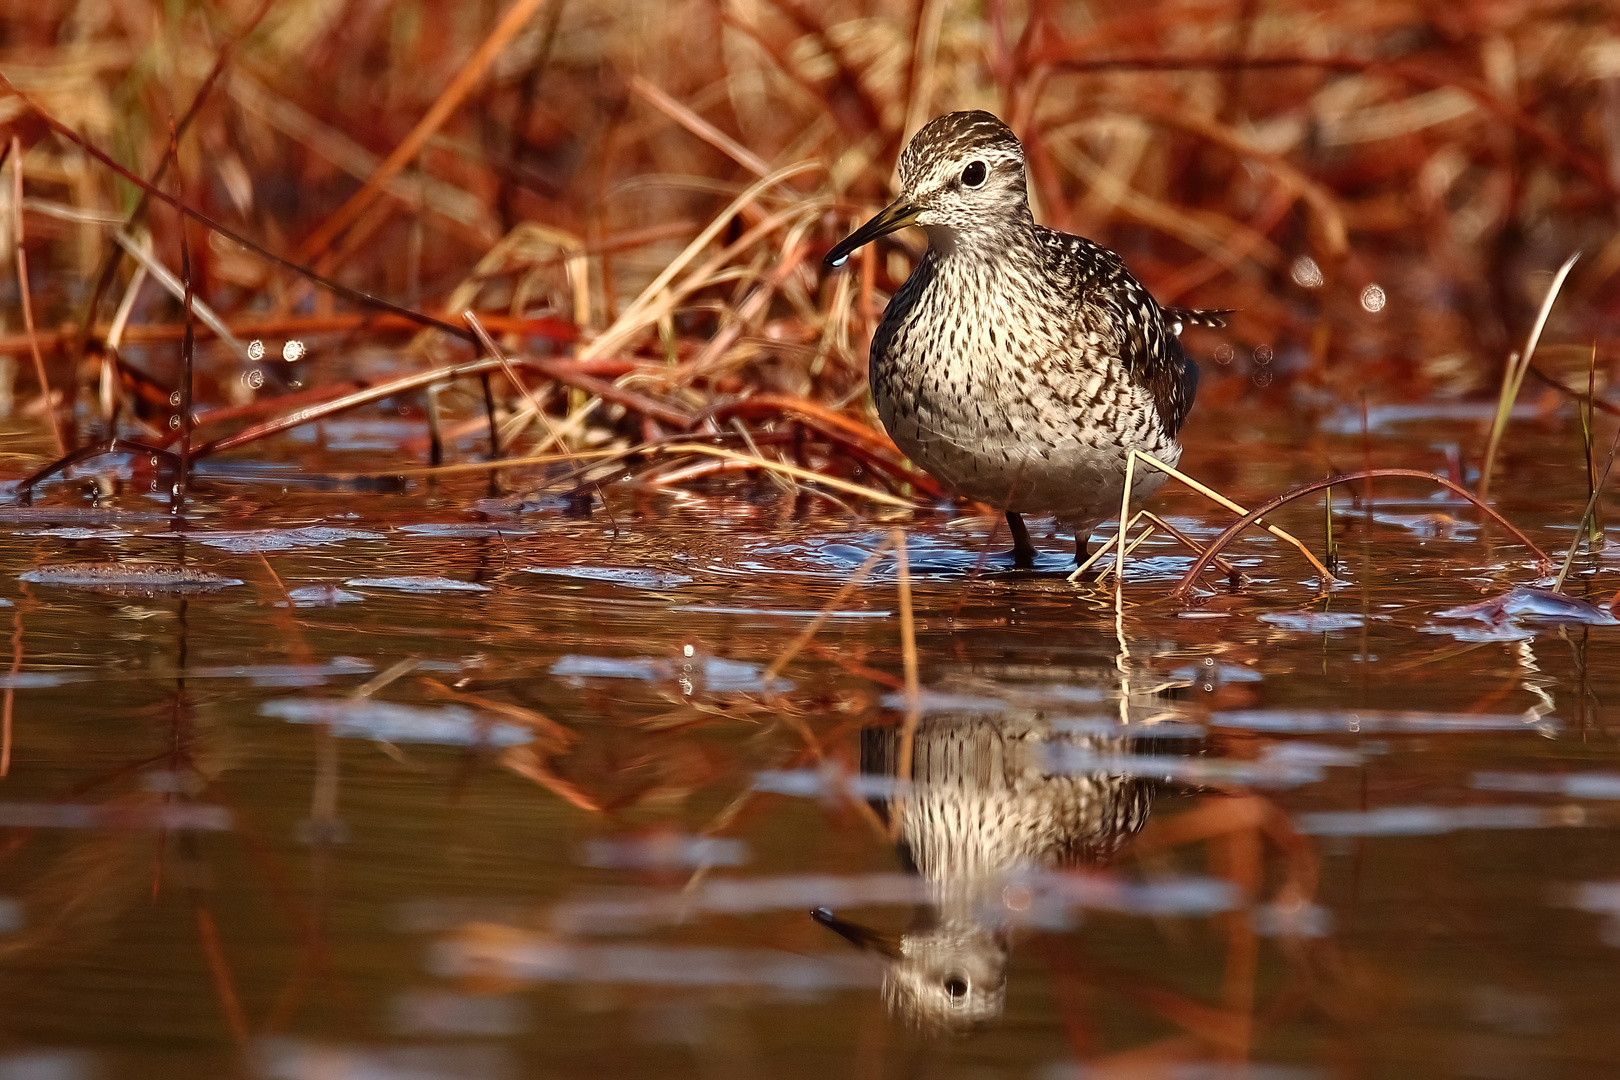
(862, 937)
(897, 215)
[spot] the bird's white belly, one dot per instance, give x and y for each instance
(1068, 462)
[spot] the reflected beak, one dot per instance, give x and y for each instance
(897, 215)
(862, 937)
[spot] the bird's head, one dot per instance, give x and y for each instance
(947, 977)
(961, 175)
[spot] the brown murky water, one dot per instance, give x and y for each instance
(543, 814)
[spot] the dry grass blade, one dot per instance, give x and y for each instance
(691, 121)
(499, 356)
(346, 402)
(489, 466)
(109, 266)
(173, 285)
(1124, 521)
(1548, 138)
(794, 471)
(1513, 375)
(561, 370)
(641, 311)
(358, 296)
(471, 73)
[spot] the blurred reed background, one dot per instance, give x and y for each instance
(1382, 188)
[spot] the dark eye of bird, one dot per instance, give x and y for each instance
(974, 174)
(955, 985)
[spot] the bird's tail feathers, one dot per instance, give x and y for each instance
(1214, 317)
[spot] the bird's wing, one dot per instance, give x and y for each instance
(1106, 292)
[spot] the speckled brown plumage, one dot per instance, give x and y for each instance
(1017, 364)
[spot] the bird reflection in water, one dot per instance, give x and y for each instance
(983, 807)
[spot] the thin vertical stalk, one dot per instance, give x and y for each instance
(188, 344)
(1587, 515)
(1331, 549)
(28, 301)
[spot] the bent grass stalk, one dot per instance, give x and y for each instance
(1208, 493)
(1154, 522)
(1252, 517)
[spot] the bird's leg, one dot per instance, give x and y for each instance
(1023, 551)
(1082, 552)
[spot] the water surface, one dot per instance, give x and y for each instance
(512, 794)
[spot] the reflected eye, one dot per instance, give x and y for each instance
(974, 174)
(957, 988)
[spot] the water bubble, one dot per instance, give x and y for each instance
(1263, 355)
(1223, 354)
(293, 350)
(174, 399)
(253, 379)
(1372, 298)
(1306, 273)
(1262, 377)
(256, 350)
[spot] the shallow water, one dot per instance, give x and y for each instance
(515, 794)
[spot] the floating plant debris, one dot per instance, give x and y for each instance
(150, 815)
(713, 673)
(157, 577)
(531, 958)
(272, 539)
(320, 596)
(386, 721)
(634, 577)
(1386, 722)
(1527, 602)
(462, 530)
(1432, 820)
(664, 851)
(1313, 622)
(417, 584)
(1590, 785)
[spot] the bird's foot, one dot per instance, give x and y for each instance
(1023, 551)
